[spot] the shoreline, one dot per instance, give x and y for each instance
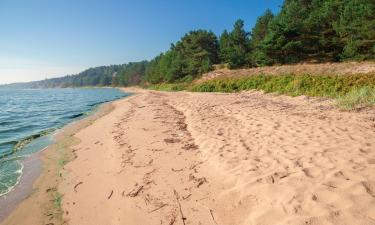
(32, 169)
(211, 158)
(40, 165)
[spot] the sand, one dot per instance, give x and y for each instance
(38, 186)
(235, 159)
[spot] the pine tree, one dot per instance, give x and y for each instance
(257, 56)
(356, 28)
(234, 46)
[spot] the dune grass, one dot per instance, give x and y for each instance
(351, 91)
(169, 86)
(357, 98)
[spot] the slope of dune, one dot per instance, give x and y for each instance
(342, 68)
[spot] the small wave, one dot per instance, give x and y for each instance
(19, 172)
(22, 143)
(74, 116)
(18, 145)
(98, 103)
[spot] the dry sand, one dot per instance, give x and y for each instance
(235, 159)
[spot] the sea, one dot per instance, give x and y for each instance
(30, 117)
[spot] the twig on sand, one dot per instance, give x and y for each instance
(163, 205)
(135, 192)
(75, 186)
(188, 196)
(110, 195)
(183, 218)
(176, 170)
(212, 216)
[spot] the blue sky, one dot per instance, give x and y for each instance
(49, 38)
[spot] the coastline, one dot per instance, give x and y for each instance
(36, 190)
(210, 158)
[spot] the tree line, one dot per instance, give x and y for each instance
(303, 31)
(114, 75)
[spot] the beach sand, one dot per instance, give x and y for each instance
(221, 159)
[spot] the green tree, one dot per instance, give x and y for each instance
(234, 47)
(284, 43)
(258, 33)
(356, 27)
(190, 57)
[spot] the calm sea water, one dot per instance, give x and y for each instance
(29, 117)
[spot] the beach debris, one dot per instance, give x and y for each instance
(174, 170)
(200, 181)
(212, 216)
(160, 207)
(75, 186)
(172, 140)
(110, 195)
(190, 147)
(134, 193)
(186, 197)
(183, 218)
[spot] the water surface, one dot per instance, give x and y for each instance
(29, 117)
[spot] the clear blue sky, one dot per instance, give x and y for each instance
(50, 38)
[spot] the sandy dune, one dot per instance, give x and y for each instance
(235, 159)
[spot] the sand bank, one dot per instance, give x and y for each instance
(238, 159)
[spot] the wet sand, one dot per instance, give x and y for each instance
(32, 169)
(34, 201)
(209, 158)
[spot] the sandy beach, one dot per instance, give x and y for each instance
(210, 158)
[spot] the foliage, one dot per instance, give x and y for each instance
(303, 31)
(114, 75)
(311, 85)
(356, 28)
(129, 75)
(234, 46)
(169, 86)
(192, 56)
(257, 56)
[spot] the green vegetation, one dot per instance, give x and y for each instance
(114, 75)
(169, 86)
(234, 46)
(311, 85)
(303, 31)
(190, 57)
(357, 97)
(351, 91)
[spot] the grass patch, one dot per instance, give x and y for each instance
(169, 87)
(352, 91)
(357, 98)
